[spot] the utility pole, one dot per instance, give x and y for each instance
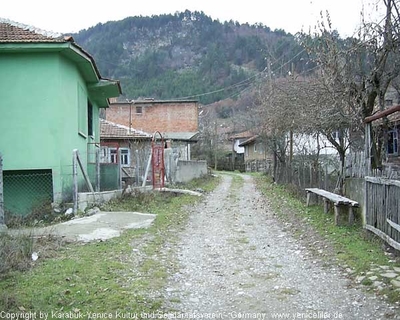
(291, 130)
(274, 158)
(215, 145)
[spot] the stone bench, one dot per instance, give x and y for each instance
(342, 204)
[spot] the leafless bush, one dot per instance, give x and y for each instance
(17, 247)
(16, 251)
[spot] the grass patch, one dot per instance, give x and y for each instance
(123, 274)
(367, 282)
(16, 251)
(243, 240)
(236, 185)
(206, 183)
(266, 276)
(288, 291)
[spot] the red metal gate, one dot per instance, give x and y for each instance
(157, 160)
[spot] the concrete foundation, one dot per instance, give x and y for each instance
(88, 199)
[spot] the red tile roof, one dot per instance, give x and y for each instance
(11, 31)
(111, 130)
(14, 32)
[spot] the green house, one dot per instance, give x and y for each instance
(50, 96)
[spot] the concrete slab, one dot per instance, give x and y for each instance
(100, 226)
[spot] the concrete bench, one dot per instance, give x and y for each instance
(342, 204)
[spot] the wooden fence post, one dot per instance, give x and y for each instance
(367, 149)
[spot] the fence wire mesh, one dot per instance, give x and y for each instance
(27, 193)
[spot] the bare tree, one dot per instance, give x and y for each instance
(357, 72)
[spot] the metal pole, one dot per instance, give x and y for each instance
(119, 168)
(75, 180)
(2, 220)
(97, 170)
(147, 170)
(137, 167)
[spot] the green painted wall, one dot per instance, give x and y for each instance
(39, 116)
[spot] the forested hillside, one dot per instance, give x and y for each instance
(189, 55)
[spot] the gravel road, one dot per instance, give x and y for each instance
(236, 260)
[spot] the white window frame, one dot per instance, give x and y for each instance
(112, 155)
(109, 155)
(125, 157)
(104, 154)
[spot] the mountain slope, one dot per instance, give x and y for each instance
(188, 54)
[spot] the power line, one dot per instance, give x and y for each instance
(243, 82)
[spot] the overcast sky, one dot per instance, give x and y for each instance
(290, 15)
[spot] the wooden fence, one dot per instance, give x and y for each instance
(258, 166)
(382, 209)
(355, 164)
(355, 167)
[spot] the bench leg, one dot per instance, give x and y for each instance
(351, 215)
(311, 198)
(340, 214)
(326, 205)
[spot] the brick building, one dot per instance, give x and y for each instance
(151, 115)
(176, 120)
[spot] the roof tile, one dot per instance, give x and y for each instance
(111, 130)
(11, 31)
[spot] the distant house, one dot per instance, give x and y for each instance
(51, 93)
(176, 120)
(238, 151)
(254, 149)
(237, 139)
(133, 146)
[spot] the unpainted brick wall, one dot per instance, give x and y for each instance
(163, 117)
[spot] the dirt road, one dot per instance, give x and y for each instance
(236, 261)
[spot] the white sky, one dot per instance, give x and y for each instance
(290, 15)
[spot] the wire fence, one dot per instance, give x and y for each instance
(29, 195)
(25, 194)
(301, 173)
(37, 194)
